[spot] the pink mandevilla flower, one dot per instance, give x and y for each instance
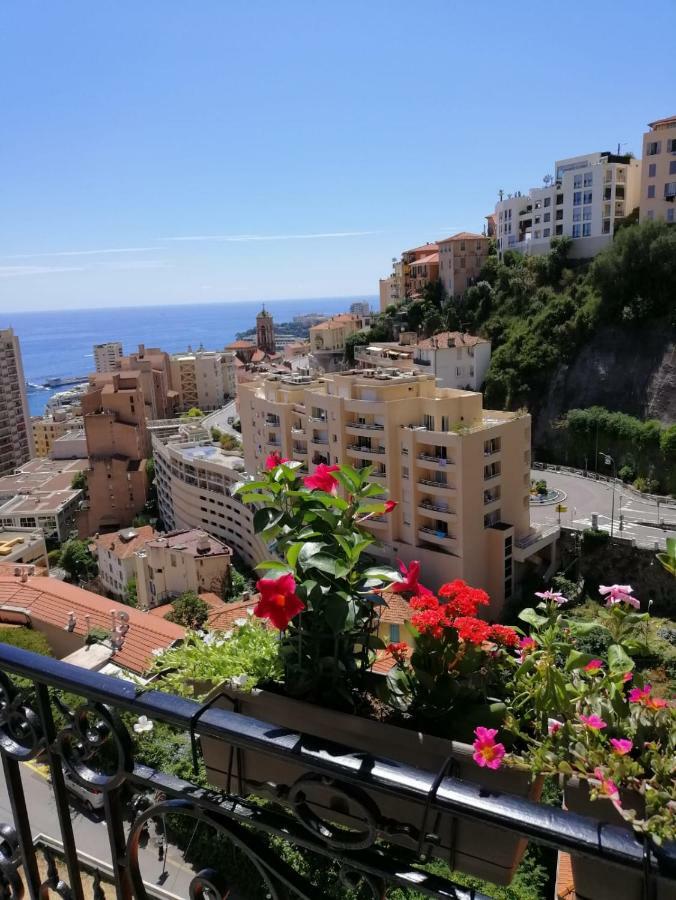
(555, 596)
(594, 665)
(486, 751)
(619, 593)
(621, 746)
(627, 676)
(594, 722)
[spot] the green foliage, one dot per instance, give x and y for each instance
(215, 433)
(379, 331)
(26, 639)
(194, 413)
(240, 580)
(592, 539)
(54, 557)
(78, 562)
(229, 442)
(541, 487)
(96, 635)
(668, 559)
(79, 482)
(191, 670)
(188, 610)
(130, 596)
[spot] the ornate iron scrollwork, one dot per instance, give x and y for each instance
(21, 735)
(96, 731)
(328, 832)
(10, 880)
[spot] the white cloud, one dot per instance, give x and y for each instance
(82, 252)
(133, 264)
(241, 238)
(18, 271)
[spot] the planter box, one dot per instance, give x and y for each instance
(593, 879)
(470, 847)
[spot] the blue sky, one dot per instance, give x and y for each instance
(166, 151)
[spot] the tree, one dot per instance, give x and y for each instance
(188, 610)
(79, 482)
(194, 413)
(131, 597)
(78, 562)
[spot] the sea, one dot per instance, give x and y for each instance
(59, 343)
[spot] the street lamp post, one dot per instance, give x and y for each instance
(609, 461)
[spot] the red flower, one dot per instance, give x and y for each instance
(409, 583)
(463, 600)
(390, 505)
(398, 650)
(278, 602)
(472, 630)
(431, 621)
(424, 601)
(275, 459)
(503, 634)
(322, 479)
(594, 665)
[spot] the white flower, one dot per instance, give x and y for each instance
(158, 652)
(239, 622)
(239, 681)
(209, 638)
(250, 610)
(143, 724)
(227, 635)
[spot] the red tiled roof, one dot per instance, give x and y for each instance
(457, 339)
(464, 236)
(121, 548)
(397, 611)
(429, 247)
(50, 601)
(240, 345)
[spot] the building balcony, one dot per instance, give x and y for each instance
(436, 485)
(360, 449)
(298, 431)
(351, 427)
(319, 440)
(428, 507)
(272, 420)
(436, 536)
(116, 767)
(427, 461)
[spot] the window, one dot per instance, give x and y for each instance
(547, 217)
(587, 214)
(670, 215)
(576, 231)
(650, 214)
(577, 181)
(445, 423)
(577, 215)
(577, 198)
(546, 232)
(559, 215)
(559, 229)
(548, 201)
(672, 167)
(606, 226)
(394, 634)
(537, 220)
(651, 191)
(428, 422)
(670, 189)
(559, 199)
(587, 196)
(588, 179)
(619, 192)
(652, 170)
(586, 229)
(652, 148)
(671, 145)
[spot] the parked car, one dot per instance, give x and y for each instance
(91, 798)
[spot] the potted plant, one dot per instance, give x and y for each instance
(595, 721)
(324, 598)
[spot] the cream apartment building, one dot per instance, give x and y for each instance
(197, 377)
(585, 201)
(461, 258)
(107, 356)
(328, 339)
(48, 429)
(460, 474)
(16, 435)
(115, 557)
(658, 177)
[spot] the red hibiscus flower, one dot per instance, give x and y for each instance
(390, 505)
(278, 602)
(503, 634)
(472, 630)
(322, 479)
(275, 459)
(409, 584)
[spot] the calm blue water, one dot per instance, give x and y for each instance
(59, 343)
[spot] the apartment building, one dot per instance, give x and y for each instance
(456, 359)
(328, 339)
(392, 290)
(460, 474)
(461, 258)
(658, 176)
(115, 557)
(71, 445)
(118, 445)
(229, 372)
(47, 429)
(154, 368)
(16, 435)
(197, 377)
(169, 565)
(586, 200)
(40, 495)
(24, 546)
(107, 356)
(420, 266)
(194, 481)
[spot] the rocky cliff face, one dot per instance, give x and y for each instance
(624, 368)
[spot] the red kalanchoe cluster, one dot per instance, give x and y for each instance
(504, 635)
(397, 650)
(322, 479)
(472, 630)
(275, 459)
(278, 602)
(430, 620)
(461, 599)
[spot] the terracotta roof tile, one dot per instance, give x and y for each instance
(122, 548)
(465, 236)
(50, 601)
(457, 338)
(397, 611)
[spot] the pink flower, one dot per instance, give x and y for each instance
(553, 725)
(619, 593)
(594, 722)
(594, 665)
(390, 505)
(555, 596)
(409, 582)
(486, 751)
(322, 479)
(526, 644)
(643, 696)
(621, 746)
(627, 676)
(607, 787)
(274, 459)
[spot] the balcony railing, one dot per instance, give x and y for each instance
(362, 449)
(96, 750)
(366, 426)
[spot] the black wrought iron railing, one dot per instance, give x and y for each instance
(95, 748)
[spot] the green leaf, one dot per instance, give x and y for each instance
(272, 565)
(335, 612)
(532, 618)
(577, 660)
(292, 553)
(382, 574)
(618, 660)
(308, 550)
(349, 479)
(265, 518)
(583, 628)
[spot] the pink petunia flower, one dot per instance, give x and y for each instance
(594, 665)
(487, 752)
(555, 596)
(594, 722)
(644, 697)
(621, 746)
(619, 593)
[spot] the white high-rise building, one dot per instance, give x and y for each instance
(16, 434)
(107, 356)
(585, 201)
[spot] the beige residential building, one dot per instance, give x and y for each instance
(154, 368)
(47, 429)
(195, 482)
(40, 495)
(197, 377)
(169, 565)
(115, 556)
(393, 289)
(328, 339)
(16, 435)
(229, 371)
(461, 258)
(460, 474)
(24, 546)
(107, 356)
(71, 445)
(118, 445)
(658, 178)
